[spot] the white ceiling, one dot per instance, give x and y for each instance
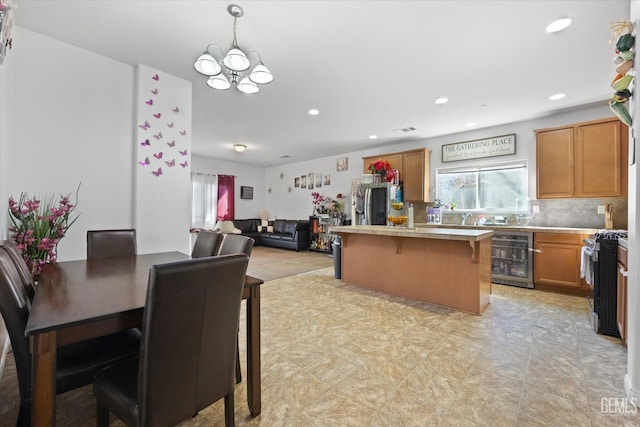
(370, 67)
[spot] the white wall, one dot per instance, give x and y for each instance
(162, 145)
(632, 378)
(67, 118)
(249, 176)
(297, 203)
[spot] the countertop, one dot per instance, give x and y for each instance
(427, 232)
(524, 228)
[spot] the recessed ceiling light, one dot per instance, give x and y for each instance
(557, 96)
(314, 112)
(558, 25)
(373, 136)
(442, 100)
(471, 124)
(239, 147)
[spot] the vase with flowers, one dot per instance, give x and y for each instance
(38, 224)
(381, 171)
(318, 202)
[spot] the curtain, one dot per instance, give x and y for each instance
(204, 195)
(226, 197)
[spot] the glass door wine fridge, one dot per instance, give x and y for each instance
(512, 258)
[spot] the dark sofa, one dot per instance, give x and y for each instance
(280, 233)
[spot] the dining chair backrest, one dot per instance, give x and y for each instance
(111, 243)
(236, 244)
(207, 244)
(21, 266)
(188, 350)
(15, 306)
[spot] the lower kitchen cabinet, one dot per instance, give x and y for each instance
(621, 306)
(556, 265)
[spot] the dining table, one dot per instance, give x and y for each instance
(83, 299)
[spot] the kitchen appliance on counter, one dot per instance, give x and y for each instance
(604, 263)
(512, 258)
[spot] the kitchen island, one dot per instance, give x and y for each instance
(447, 267)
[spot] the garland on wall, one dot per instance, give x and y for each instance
(622, 83)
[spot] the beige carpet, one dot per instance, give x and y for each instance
(272, 263)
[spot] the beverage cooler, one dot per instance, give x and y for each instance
(512, 258)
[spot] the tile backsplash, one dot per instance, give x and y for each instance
(570, 213)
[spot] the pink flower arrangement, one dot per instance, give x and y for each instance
(37, 227)
(318, 199)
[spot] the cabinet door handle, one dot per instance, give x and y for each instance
(624, 272)
(535, 250)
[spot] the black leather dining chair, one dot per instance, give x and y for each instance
(76, 363)
(236, 244)
(207, 244)
(111, 243)
(188, 346)
(23, 270)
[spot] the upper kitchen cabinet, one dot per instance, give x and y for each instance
(413, 167)
(582, 160)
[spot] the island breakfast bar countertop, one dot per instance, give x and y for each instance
(447, 267)
(425, 233)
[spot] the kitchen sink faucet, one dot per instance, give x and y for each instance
(464, 217)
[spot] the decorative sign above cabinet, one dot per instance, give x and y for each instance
(479, 148)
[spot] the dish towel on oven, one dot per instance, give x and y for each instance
(586, 268)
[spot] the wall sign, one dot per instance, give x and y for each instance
(246, 192)
(503, 145)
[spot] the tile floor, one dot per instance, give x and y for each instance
(338, 355)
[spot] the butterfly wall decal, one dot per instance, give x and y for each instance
(172, 163)
(170, 124)
(145, 143)
(145, 162)
(158, 155)
(175, 110)
(149, 102)
(183, 132)
(183, 153)
(158, 136)
(158, 172)
(154, 91)
(157, 115)
(156, 77)
(145, 125)
(172, 143)
(185, 164)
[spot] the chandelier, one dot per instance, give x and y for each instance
(233, 68)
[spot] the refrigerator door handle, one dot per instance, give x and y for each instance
(367, 206)
(535, 250)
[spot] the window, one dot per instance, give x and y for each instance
(500, 187)
(204, 200)
(212, 199)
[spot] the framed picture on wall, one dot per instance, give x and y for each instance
(318, 180)
(342, 164)
(303, 181)
(246, 192)
(296, 182)
(327, 179)
(310, 176)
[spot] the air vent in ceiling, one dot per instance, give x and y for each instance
(405, 130)
(286, 156)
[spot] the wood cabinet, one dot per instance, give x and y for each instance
(582, 160)
(621, 306)
(413, 167)
(556, 264)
